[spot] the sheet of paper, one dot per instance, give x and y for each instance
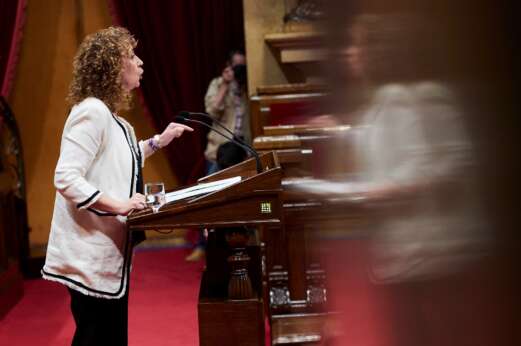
(201, 189)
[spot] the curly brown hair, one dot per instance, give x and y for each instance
(97, 68)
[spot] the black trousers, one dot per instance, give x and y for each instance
(99, 322)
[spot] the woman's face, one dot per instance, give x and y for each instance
(131, 72)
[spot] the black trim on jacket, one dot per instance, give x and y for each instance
(136, 236)
(126, 269)
(131, 147)
(81, 204)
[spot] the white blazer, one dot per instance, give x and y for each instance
(90, 250)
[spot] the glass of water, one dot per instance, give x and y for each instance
(155, 195)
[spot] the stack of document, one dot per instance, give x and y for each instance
(200, 189)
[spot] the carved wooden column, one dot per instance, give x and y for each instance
(239, 286)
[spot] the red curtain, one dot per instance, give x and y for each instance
(183, 45)
(12, 15)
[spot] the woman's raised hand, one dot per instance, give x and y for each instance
(173, 130)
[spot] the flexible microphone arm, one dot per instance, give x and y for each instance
(208, 116)
(183, 120)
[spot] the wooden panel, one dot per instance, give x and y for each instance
(297, 328)
(277, 142)
(276, 270)
(283, 130)
(232, 213)
(230, 323)
(296, 252)
(295, 162)
(294, 88)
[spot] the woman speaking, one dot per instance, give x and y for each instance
(98, 180)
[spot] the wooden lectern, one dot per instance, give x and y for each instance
(231, 303)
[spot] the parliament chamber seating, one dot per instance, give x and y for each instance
(296, 278)
(287, 104)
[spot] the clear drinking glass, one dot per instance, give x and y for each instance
(155, 195)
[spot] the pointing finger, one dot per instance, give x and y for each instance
(188, 128)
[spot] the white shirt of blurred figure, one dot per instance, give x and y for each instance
(412, 134)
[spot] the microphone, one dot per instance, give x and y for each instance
(188, 115)
(182, 119)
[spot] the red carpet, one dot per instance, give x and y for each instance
(162, 307)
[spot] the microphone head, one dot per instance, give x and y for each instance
(184, 114)
(180, 119)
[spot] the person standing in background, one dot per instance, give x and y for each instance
(226, 102)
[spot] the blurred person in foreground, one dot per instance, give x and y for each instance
(416, 173)
(415, 156)
(98, 179)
